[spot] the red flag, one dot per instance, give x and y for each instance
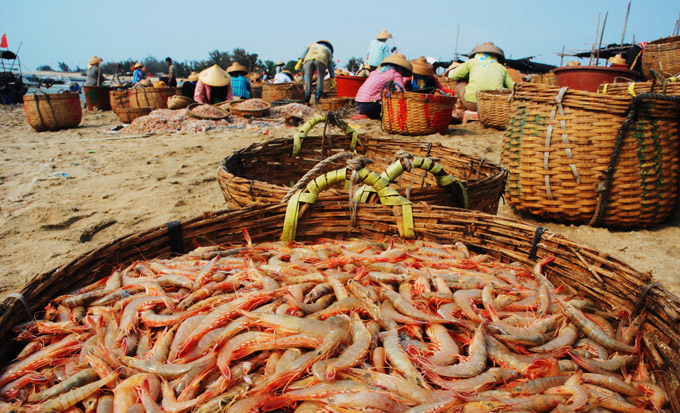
(3, 42)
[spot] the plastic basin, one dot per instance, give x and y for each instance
(348, 86)
(97, 97)
(588, 78)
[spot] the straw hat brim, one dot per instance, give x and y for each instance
(327, 43)
(384, 35)
(399, 60)
(617, 60)
(236, 67)
(95, 60)
(214, 76)
(138, 65)
(421, 67)
(193, 77)
(489, 48)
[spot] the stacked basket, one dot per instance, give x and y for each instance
(51, 112)
(662, 55)
(572, 158)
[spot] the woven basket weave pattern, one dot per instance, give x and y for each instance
(542, 176)
(152, 97)
(662, 55)
(281, 91)
(493, 107)
(411, 113)
(127, 115)
(119, 99)
(179, 102)
(335, 103)
(53, 112)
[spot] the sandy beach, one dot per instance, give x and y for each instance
(64, 193)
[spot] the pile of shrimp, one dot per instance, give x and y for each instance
(331, 326)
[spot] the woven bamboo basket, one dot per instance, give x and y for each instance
(265, 172)
(280, 91)
(119, 99)
(256, 91)
(51, 112)
(411, 113)
(447, 82)
(153, 97)
(548, 79)
(335, 103)
(663, 55)
(235, 109)
(612, 285)
(559, 157)
(634, 88)
(179, 102)
(493, 107)
(127, 115)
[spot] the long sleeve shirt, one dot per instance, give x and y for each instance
(210, 95)
(93, 74)
(282, 78)
(137, 75)
(483, 73)
(240, 86)
(371, 90)
(377, 51)
(320, 52)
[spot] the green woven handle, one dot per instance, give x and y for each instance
(395, 170)
(388, 196)
(304, 130)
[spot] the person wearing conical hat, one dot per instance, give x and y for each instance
(189, 85)
(213, 86)
(317, 57)
(423, 79)
(240, 85)
(284, 76)
(378, 49)
(484, 70)
(394, 68)
(94, 73)
(138, 74)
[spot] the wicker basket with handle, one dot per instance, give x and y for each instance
(153, 97)
(127, 115)
(51, 112)
(335, 103)
(569, 159)
(280, 91)
(611, 285)
(119, 99)
(662, 55)
(239, 108)
(412, 113)
(493, 107)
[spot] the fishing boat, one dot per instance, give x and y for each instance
(12, 87)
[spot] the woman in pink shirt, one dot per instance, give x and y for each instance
(393, 68)
(213, 86)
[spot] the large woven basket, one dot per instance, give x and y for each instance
(335, 103)
(119, 99)
(548, 79)
(51, 112)
(236, 108)
(662, 55)
(280, 91)
(634, 88)
(609, 283)
(411, 113)
(153, 97)
(493, 107)
(127, 115)
(179, 102)
(265, 172)
(558, 155)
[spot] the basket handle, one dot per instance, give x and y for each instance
(309, 125)
(405, 162)
(388, 196)
(37, 106)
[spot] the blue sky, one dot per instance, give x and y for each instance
(71, 31)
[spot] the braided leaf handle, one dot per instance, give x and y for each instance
(309, 125)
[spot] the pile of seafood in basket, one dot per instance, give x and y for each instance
(329, 326)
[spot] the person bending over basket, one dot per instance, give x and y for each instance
(394, 68)
(213, 86)
(317, 57)
(484, 70)
(240, 85)
(423, 79)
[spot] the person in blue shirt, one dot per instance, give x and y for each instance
(137, 75)
(378, 50)
(240, 85)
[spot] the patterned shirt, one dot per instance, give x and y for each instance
(371, 90)
(483, 73)
(205, 93)
(240, 86)
(377, 51)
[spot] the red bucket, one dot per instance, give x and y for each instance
(588, 78)
(348, 86)
(97, 97)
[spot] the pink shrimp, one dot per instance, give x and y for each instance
(67, 400)
(400, 361)
(170, 403)
(148, 399)
(353, 354)
(129, 317)
(125, 393)
(10, 391)
(594, 332)
(656, 395)
(464, 298)
(475, 363)
(443, 348)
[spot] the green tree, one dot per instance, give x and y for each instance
(64, 67)
(47, 68)
(219, 58)
(249, 60)
(354, 64)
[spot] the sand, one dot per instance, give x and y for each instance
(64, 193)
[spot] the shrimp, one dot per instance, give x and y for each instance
(400, 361)
(82, 378)
(392, 383)
(464, 298)
(536, 386)
(658, 398)
(129, 316)
(378, 359)
(476, 361)
(443, 348)
(168, 371)
(148, 400)
(11, 390)
(170, 403)
(355, 353)
(566, 337)
(406, 308)
(125, 393)
(445, 405)
(612, 383)
(612, 364)
(67, 400)
(595, 332)
(105, 404)
(573, 387)
(492, 376)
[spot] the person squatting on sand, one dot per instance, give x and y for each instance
(394, 68)
(316, 57)
(213, 86)
(240, 85)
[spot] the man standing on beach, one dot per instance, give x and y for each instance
(172, 77)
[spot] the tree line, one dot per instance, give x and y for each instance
(223, 59)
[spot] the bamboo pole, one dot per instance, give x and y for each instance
(592, 49)
(562, 57)
(599, 46)
(625, 23)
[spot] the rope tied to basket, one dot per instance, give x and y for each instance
(334, 120)
(603, 188)
(565, 139)
(316, 169)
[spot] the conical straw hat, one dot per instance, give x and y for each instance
(422, 67)
(328, 44)
(399, 60)
(138, 65)
(95, 60)
(193, 76)
(383, 35)
(237, 67)
(214, 76)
